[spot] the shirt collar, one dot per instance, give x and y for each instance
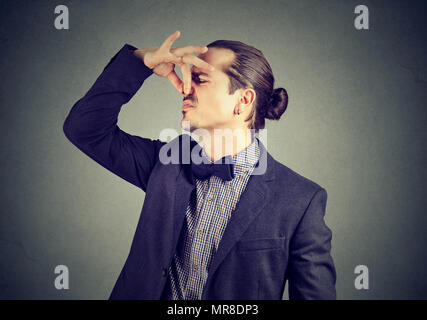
(245, 159)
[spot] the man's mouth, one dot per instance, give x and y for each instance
(187, 105)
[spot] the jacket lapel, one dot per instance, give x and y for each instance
(185, 183)
(182, 197)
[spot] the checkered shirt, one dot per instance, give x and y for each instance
(207, 215)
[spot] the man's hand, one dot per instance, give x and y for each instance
(162, 61)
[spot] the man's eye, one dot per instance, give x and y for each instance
(197, 80)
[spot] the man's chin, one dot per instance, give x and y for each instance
(187, 125)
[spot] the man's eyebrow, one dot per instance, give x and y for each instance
(200, 73)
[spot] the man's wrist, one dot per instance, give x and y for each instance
(140, 53)
(126, 61)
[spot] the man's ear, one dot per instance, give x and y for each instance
(247, 97)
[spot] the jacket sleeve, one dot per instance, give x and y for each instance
(91, 124)
(311, 271)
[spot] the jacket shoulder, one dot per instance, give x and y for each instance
(292, 181)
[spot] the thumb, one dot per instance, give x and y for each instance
(176, 81)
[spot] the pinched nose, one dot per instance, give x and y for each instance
(191, 89)
(189, 98)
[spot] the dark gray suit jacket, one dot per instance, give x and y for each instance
(276, 233)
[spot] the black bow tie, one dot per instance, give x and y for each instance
(222, 168)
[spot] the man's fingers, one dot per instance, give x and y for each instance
(180, 51)
(167, 44)
(186, 77)
(174, 59)
(190, 59)
(175, 80)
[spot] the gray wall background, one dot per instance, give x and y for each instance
(355, 124)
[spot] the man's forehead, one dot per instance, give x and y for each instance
(217, 57)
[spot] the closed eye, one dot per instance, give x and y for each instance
(197, 79)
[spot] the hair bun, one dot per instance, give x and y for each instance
(278, 104)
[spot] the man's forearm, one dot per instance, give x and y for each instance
(97, 111)
(91, 125)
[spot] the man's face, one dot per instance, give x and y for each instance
(213, 106)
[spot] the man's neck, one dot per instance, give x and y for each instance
(217, 146)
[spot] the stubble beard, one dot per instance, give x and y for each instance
(190, 126)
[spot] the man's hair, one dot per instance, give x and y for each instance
(250, 69)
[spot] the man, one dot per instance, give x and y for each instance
(236, 225)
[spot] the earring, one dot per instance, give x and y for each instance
(238, 111)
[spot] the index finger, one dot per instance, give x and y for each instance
(180, 51)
